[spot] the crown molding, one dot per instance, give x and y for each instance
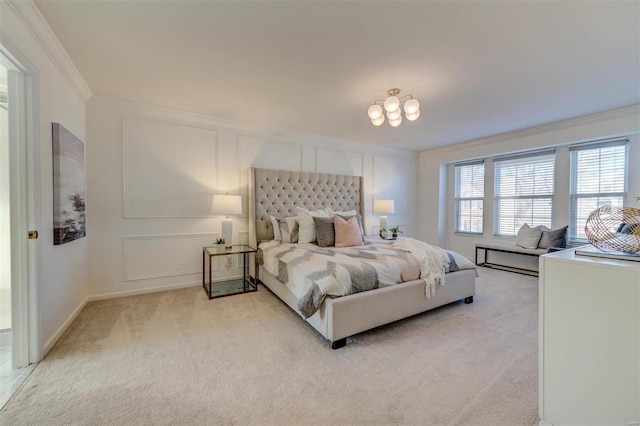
(627, 111)
(31, 16)
(182, 117)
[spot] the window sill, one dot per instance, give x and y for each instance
(468, 234)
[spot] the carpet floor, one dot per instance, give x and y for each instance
(177, 358)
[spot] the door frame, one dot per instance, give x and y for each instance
(24, 149)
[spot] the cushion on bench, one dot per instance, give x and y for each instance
(510, 247)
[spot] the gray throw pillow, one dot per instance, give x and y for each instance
(528, 237)
(553, 238)
(325, 231)
(289, 229)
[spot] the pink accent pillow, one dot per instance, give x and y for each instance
(347, 232)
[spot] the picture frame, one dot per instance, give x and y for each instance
(69, 217)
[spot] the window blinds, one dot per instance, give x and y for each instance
(598, 178)
(469, 194)
(524, 187)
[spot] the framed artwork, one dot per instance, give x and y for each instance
(68, 186)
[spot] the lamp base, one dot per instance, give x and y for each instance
(383, 225)
(227, 231)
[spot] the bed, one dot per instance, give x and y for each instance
(277, 193)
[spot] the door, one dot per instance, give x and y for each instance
(18, 206)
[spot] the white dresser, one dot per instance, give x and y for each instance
(589, 344)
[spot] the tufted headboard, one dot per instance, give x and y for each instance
(277, 192)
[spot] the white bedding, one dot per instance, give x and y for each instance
(312, 273)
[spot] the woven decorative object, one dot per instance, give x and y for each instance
(614, 229)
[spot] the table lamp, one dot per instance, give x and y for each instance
(383, 207)
(227, 204)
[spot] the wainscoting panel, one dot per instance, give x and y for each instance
(338, 162)
(390, 175)
(170, 170)
(155, 256)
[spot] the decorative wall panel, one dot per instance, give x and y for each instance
(389, 176)
(169, 170)
(155, 256)
(338, 162)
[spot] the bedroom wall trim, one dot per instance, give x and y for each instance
(51, 341)
(127, 123)
(147, 290)
(318, 168)
(51, 46)
(591, 119)
(127, 261)
(116, 270)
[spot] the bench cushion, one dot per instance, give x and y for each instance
(510, 247)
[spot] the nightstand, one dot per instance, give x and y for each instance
(234, 285)
(377, 239)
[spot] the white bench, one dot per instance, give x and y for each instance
(509, 248)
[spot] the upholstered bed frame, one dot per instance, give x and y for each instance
(277, 192)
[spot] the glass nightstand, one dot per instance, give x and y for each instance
(232, 286)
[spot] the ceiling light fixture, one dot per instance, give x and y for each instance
(392, 105)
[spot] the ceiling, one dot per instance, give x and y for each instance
(478, 68)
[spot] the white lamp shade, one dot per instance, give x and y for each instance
(396, 122)
(226, 204)
(413, 116)
(411, 106)
(375, 111)
(394, 115)
(383, 206)
(392, 103)
(377, 121)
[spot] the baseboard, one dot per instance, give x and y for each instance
(5, 338)
(60, 331)
(136, 292)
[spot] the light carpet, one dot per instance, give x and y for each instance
(177, 358)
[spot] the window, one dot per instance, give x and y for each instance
(523, 191)
(598, 178)
(469, 197)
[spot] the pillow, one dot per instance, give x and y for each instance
(347, 232)
(332, 213)
(358, 217)
(528, 237)
(347, 214)
(307, 232)
(325, 231)
(553, 238)
(277, 235)
(289, 229)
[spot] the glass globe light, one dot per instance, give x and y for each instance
(392, 103)
(377, 121)
(375, 111)
(413, 116)
(396, 122)
(411, 106)
(394, 115)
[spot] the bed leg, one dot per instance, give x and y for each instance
(339, 343)
(468, 300)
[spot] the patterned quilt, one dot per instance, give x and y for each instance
(313, 273)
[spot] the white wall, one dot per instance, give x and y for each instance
(436, 204)
(5, 228)
(151, 172)
(63, 284)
